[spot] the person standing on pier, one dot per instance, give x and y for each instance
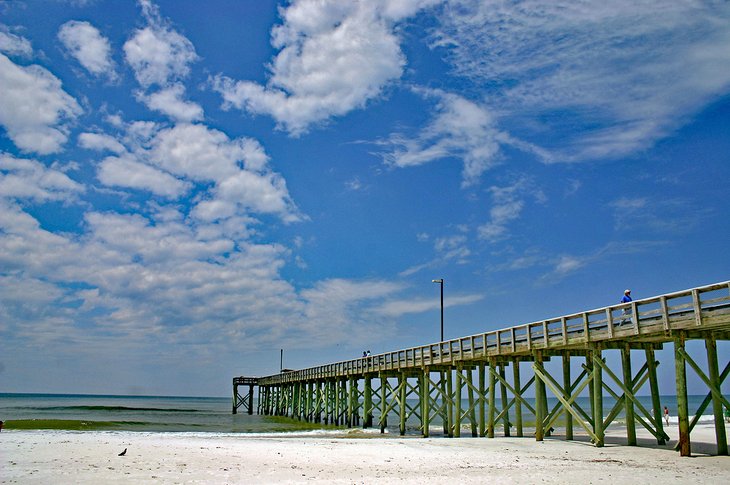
(626, 299)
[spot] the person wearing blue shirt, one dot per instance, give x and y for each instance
(626, 299)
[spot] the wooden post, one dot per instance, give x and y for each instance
(567, 389)
(682, 407)
(482, 423)
(492, 398)
(628, 403)
(711, 345)
(235, 398)
(598, 398)
(426, 401)
(655, 398)
(403, 386)
(470, 391)
(445, 403)
(457, 401)
(383, 402)
(518, 402)
(540, 394)
(367, 421)
(503, 397)
(450, 402)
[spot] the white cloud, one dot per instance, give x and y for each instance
(34, 108)
(88, 46)
(333, 57)
(28, 179)
(460, 128)
(170, 101)
(232, 175)
(125, 171)
(398, 308)
(100, 141)
(14, 45)
(507, 205)
(632, 71)
(453, 248)
(157, 54)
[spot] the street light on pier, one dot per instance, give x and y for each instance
(441, 283)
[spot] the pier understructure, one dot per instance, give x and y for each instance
(480, 383)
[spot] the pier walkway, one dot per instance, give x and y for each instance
(463, 383)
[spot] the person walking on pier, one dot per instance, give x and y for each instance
(627, 311)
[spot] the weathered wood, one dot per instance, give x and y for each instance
(331, 393)
(630, 422)
(681, 385)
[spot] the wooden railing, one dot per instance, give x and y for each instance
(649, 319)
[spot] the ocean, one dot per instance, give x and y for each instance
(213, 414)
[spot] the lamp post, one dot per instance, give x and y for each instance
(441, 283)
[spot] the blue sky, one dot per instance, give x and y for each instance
(185, 190)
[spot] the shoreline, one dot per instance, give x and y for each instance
(92, 457)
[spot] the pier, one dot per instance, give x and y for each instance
(433, 381)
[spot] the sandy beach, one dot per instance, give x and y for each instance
(92, 457)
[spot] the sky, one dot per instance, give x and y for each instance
(186, 190)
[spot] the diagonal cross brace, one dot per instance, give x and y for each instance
(558, 392)
(630, 395)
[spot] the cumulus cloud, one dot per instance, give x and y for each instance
(125, 171)
(29, 179)
(232, 176)
(158, 54)
(100, 141)
(85, 43)
(34, 109)
(333, 57)
(573, 58)
(170, 102)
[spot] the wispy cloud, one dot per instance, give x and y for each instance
(459, 128)
(620, 74)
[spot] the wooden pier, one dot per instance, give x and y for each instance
(432, 382)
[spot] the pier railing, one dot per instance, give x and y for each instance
(645, 320)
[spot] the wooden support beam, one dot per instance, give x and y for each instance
(715, 383)
(651, 366)
(629, 404)
(367, 410)
(482, 423)
(425, 390)
(567, 386)
(598, 397)
(681, 385)
(472, 404)
(503, 399)
(403, 381)
(518, 402)
(540, 395)
(492, 399)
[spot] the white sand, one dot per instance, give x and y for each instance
(91, 457)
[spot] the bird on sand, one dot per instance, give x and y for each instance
(123, 452)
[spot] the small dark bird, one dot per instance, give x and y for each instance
(123, 452)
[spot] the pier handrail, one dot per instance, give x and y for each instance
(647, 319)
